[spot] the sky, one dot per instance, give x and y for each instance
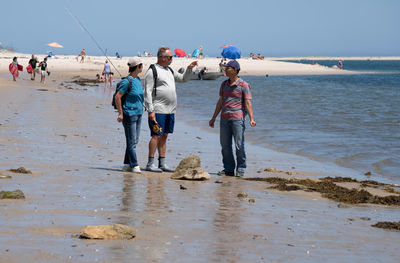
(274, 28)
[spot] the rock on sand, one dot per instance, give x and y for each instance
(108, 232)
(190, 169)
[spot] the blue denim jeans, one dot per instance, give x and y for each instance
(132, 126)
(233, 129)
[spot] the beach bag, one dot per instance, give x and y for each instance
(123, 98)
(13, 69)
(29, 69)
(20, 67)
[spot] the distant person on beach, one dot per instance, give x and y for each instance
(234, 103)
(43, 70)
(100, 78)
(33, 62)
(130, 110)
(14, 68)
(161, 102)
(82, 55)
(111, 79)
(340, 64)
(202, 73)
(106, 72)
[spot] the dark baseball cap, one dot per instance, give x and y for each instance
(234, 64)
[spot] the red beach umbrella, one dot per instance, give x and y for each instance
(224, 46)
(179, 52)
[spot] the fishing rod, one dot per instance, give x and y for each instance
(94, 40)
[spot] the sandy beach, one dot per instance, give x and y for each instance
(68, 136)
(95, 64)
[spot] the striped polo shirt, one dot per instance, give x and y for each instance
(233, 97)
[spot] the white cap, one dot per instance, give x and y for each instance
(134, 62)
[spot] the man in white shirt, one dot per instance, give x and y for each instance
(160, 101)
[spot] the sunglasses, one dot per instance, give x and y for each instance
(169, 57)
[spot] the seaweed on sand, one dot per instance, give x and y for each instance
(85, 82)
(21, 170)
(388, 225)
(327, 187)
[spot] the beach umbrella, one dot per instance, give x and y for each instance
(179, 52)
(225, 46)
(231, 52)
(196, 53)
(54, 44)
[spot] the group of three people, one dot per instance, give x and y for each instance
(160, 100)
(32, 68)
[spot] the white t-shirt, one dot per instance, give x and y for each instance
(165, 101)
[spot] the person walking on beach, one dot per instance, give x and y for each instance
(160, 102)
(33, 62)
(106, 72)
(43, 69)
(234, 103)
(81, 55)
(14, 67)
(129, 102)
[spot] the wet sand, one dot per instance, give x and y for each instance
(71, 141)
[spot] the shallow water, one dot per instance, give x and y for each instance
(351, 120)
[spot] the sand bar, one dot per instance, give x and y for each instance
(95, 64)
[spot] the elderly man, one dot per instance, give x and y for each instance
(160, 102)
(234, 103)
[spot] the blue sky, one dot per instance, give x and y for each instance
(270, 27)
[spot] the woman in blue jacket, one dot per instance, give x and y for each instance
(129, 102)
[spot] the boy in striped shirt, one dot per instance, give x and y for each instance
(234, 103)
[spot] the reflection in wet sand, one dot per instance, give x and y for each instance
(227, 225)
(156, 201)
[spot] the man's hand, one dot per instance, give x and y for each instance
(152, 116)
(211, 123)
(120, 117)
(253, 123)
(193, 64)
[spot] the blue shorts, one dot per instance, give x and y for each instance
(166, 123)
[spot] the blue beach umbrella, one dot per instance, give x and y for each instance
(231, 52)
(196, 53)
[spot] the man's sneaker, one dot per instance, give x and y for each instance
(127, 168)
(226, 173)
(239, 174)
(136, 169)
(166, 168)
(153, 168)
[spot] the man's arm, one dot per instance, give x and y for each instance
(218, 108)
(249, 109)
(148, 94)
(148, 90)
(118, 103)
(188, 72)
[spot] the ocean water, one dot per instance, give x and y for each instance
(373, 66)
(351, 120)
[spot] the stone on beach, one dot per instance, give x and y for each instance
(16, 194)
(108, 232)
(190, 169)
